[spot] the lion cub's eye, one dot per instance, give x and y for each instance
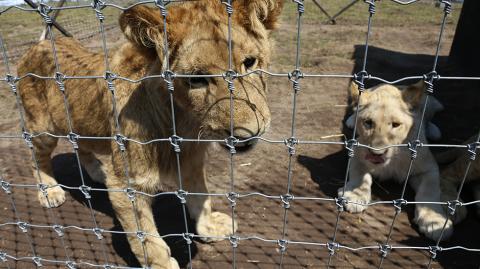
(198, 82)
(368, 123)
(395, 124)
(249, 62)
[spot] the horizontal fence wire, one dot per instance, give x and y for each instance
(232, 197)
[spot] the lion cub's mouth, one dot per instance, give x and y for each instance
(375, 158)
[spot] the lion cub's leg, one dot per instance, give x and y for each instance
(43, 147)
(430, 218)
(96, 169)
(358, 189)
(128, 211)
(214, 224)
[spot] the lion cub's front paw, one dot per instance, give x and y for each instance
(56, 197)
(217, 225)
(356, 200)
(430, 223)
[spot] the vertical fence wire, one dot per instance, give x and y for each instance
(42, 188)
(5, 185)
(110, 77)
(174, 139)
(413, 145)
(350, 145)
(72, 136)
(291, 142)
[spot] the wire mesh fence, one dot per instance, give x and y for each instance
(103, 12)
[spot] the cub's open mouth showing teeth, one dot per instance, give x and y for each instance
(375, 158)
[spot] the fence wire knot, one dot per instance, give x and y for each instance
(59, 230)
(168, 77)
(188, 237)
(3, 256)
(141, 235)
(295, 77)
(228, 6)
(398, 204)
(182, 196)
(44, 9)
(371, 6)
(413, 147)
(23, 226)
(86, 191)
(43, 188)
(6, 186)
(28, 139)
(110, 77)
(332, 247)
(447, 6)
(232, 198)
(340, 202)
(384, 250)
(291, 143)
(286, 198)
(429, 79)
(73, 138)
(162, 5)
(59, 79)
(175, 141)
(452, 206)
(70, 265)
(282, 243)
(98, 5)
(98, 232)
(230, 142)
(130, 193)
(434, 251)
(234, 241)
(300, 6)
(37, 261)
(359, 79)
(350, 147)
(472, 150)
(12, 80)
(229, 77)
(120, 140)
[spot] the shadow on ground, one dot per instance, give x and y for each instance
(165, 208)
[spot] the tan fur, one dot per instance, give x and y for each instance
(197, 33)
(389, 115)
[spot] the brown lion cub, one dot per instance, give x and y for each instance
(390, 115)
(197, 32)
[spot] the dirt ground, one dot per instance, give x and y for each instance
(401, 46)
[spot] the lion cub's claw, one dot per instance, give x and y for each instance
(217, 225)
(355, 199)
(56, 197)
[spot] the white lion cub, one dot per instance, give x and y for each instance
(390, 115)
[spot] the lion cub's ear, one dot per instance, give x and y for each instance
(354, 94)
(413, 94)
(258, 15)
(142, 26)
